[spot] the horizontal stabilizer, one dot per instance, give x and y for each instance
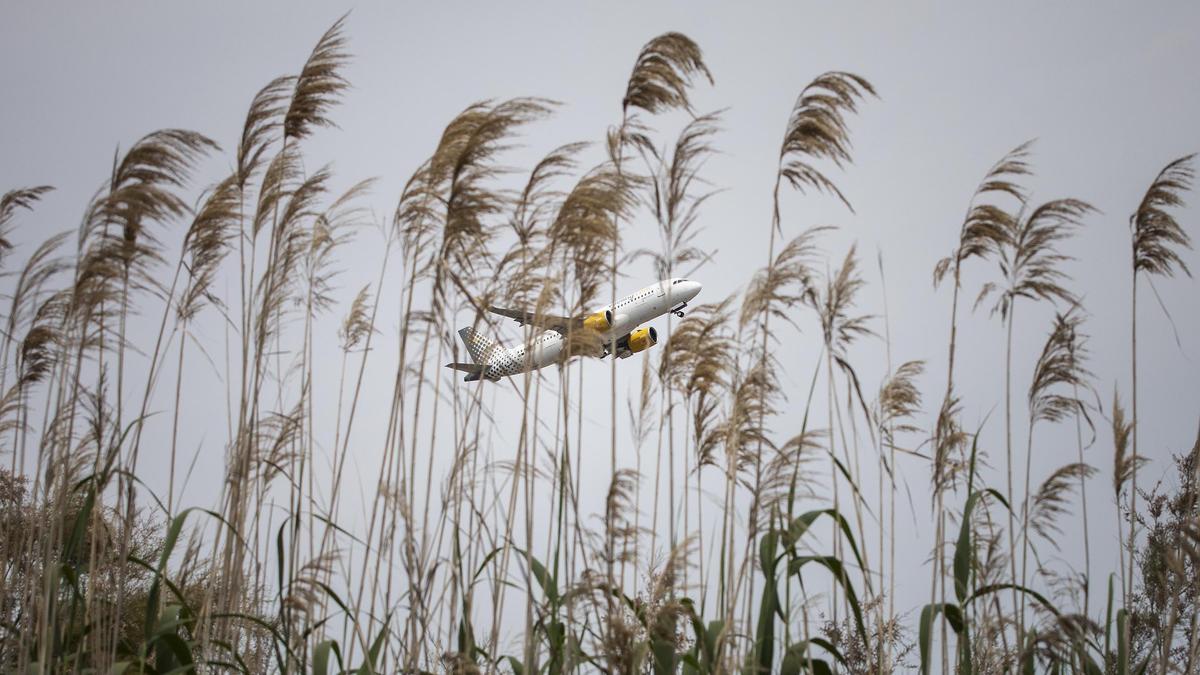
(474, 371)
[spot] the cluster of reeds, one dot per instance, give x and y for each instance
(735, 541)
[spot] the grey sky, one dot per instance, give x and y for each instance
(1109, 92)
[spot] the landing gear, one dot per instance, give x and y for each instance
(678, 311)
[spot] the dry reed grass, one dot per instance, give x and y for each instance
(476, 556)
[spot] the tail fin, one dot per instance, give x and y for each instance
(479, 346)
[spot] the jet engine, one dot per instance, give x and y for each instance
(599, 322)
(642, 339)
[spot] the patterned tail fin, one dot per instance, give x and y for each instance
(478, 346)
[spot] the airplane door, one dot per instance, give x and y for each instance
(660, 296)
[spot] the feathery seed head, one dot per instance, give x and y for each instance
(817, 130)
(1157, 236)
(663, 73)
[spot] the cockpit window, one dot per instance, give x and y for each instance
(676, 281)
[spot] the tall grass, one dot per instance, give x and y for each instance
(477, 549)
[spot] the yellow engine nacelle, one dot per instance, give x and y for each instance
(642, 339)
(599, 322)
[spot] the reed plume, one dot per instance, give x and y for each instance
(663, 73)
(1031, 266)
(840, 328)
(357, 324)
(1060, 370)
(317, 88)
(753, 397)
(537, 206)
(662, 76)
(789, 280)
(701, 360)
(208, 240)
(1157, 239)
(675, 193)
(817, 130)
(261, 128)
(987, 225)
(983, 232)
(1125, 462)
(585, 225)
(674, 198)
(332, 228)
(279, 288)
(1058, 376)
(834, 303)
(1049, 502)
(698, 362)
(13, 200)
(899, 401)
(1125, 467)
(27, 303)
(116, 237)
(1157, 236)
(1029, 258)
(464, 163)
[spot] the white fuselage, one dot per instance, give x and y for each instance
(628, 314)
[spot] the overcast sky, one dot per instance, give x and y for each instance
(1109, 92)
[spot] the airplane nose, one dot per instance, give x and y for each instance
(692, 288)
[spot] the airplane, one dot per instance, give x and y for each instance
(619, 327)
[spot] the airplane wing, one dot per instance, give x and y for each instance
(547, 321)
